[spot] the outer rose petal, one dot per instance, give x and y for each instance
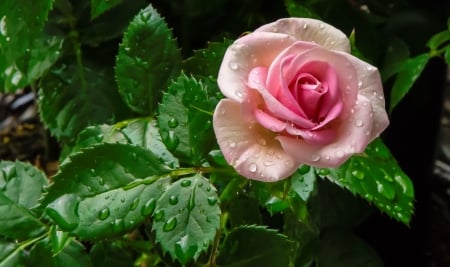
(249, 148)
(247, 52)
(310, 30)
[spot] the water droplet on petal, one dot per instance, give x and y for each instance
(268, 163)
(103, 214)
(359, 123)
(239, 94)
(173, 200)
(233, 65)
(321, 26)
(252, 167)
(315, 158)
(305, 26)
(288, 163)
(360, 84)
(232, 144)
(262, 141)
(170, 224)
(339, 153)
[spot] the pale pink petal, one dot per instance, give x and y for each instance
(252, 150)
(269, 122)
(371, 89)
(352, 136)
(317, 137)
(256, 81)
(247, 52)
(310, 30)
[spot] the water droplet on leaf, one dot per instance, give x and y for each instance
(159, 215)
(186, 183)
(148, 207)
(173, 200)
(304, 169)
(134, 204)
(358, 174)
(103, 214)
(170, 224)
(172, 123)
(212, 200)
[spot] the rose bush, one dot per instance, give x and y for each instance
(295, 95)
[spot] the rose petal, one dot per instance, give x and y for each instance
(249, 148)
(247, 52)
(310, 30)
(353, 135)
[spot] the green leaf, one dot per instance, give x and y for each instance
(447, 54)
(22, 183)
(303, 182)
(184, 119)
(58, 239)
(244, 211)
(141, 132)
(107, 254)
(103, 171)
(251, 246)
(21, 22)
(46, 51)
(396, 52)
(295, 9)
(72, 97)
(273, 196)
(206, 62)
(21, 186)
(439, 39)
(10, 254)
(99, 7)
(344, 249)
(16, 221)
(408, 73)
(376, 176)
(73, 255)
(186, 218)
(148, 59)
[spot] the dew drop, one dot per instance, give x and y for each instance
(253, 167)
(118, 225)
(262, 141)
(173, 200)
(159, 215)
(360, 84)
(186, 183)
(340, 154)
(212, 201)
(288, 163)
(268, 163)
(358, 174)
(3, 26)
(134, 204)
(16, 78)
(239, 94)
(170, 224)
(233, 65)
(122, 200)
(305, 26)
(359, 123)
(321, 26)
(101, 181)
(103, 214)
(324, 172)
(232, 144)
(172, 123)
(148, 207)
(172, 141)
(315, 158)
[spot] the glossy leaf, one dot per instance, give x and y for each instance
(439, 39)
(186, 218)
(102, 171)
(73, 255)
(71, 97)
(141, 132)
(408, 73)
(343, 249)
(250, 246)
(22, 183)
(21, 22)
(148, 59)
(184, 120)
(99, 7)
(21, 186)
(206, 62)
(303, 182)
(376, 177)
(58, 239)
(447, 54)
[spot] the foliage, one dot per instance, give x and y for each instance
(129, 88)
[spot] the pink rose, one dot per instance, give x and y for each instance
(294, 95)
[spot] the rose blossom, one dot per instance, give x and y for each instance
(295, 95)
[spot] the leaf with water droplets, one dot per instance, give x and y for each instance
(73, 254)
(190, 103)
(10, 253)
(407, 73)
(20, 27)
(105, 190)
(73, 97)
(142, 132)
(206, 62)
(377, 177)
(116, 255)
(148, 60)
(184, 226)
(303, 183)
(21, 186)
(250, 246)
